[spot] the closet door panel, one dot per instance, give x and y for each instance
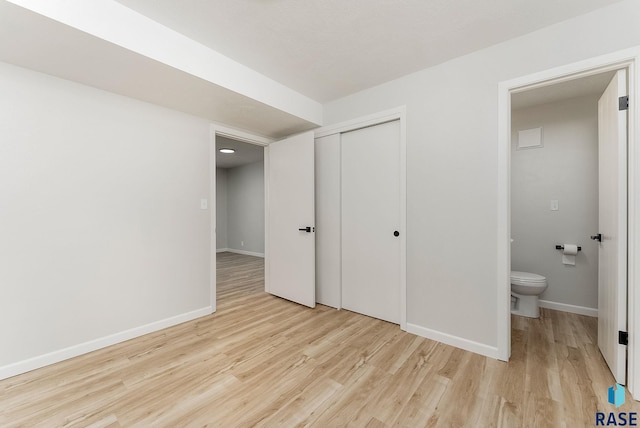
(371, 221)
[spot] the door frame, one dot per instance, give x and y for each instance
(245, 137)
(625, 59)
(398, 113)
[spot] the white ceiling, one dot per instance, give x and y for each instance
(327, 49)
(584, 86)
(245, 153)
(263, 66)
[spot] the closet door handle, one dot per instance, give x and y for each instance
(305, 229)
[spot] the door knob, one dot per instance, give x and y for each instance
(305, 229)
(597, 237)
(396, 233)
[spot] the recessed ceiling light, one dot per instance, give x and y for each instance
(227, 151)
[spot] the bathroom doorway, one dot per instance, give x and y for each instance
(562, 193)
(554, 190)
(555, 81)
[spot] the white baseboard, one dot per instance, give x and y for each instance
(580, 310)
(93, 345)
(246, 253)
(458, 342)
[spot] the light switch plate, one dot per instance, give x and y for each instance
(554, 205)
(204, 204)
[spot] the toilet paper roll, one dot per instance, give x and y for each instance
(569, 254)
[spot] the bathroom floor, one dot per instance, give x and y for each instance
(566, 377)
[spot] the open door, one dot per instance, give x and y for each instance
(612, 223)
(290, 219)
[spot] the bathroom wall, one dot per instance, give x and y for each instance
(221, 208)
(565, 169)
(244, 209)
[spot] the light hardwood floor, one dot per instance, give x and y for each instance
(264, 361)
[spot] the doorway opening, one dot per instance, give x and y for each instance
(239, 216)
(564, 190)
(239, 197)
(237, 212)
(511, 128)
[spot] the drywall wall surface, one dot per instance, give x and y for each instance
(221, 208)
(565, 169)
(245, 208)
(102, 231)
(328, 220)
(452, 146)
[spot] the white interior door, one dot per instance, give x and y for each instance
(290, 251)
(612, 223)
(371, 221)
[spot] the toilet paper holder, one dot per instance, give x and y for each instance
(561, 247)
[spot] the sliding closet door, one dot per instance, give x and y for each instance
(371, 221)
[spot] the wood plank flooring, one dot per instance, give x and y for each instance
(263, 361)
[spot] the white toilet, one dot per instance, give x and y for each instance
(525, 289)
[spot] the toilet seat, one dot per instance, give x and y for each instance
(526, 278)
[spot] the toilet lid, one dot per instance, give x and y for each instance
(527, 277)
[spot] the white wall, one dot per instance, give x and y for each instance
(221, 208)
(245, 208)
(565, 169)
(102, 232)
(452, 124)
